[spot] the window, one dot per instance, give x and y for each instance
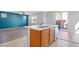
(3, 15)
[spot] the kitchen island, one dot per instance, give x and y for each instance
(41, 36)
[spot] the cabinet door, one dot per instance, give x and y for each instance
(52, 35)
(45, 38)
(34, 38)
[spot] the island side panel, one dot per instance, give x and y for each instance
(45, 38)
(52, 36)
(35, 38)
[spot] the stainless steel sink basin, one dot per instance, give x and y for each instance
(42, 26)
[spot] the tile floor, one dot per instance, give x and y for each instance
(20, 42)
(63, 43)
(62, 40)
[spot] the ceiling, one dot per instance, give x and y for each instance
(25, 12)
(31, 12)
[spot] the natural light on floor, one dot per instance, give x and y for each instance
(77, 28)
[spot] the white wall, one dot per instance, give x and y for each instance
(44, 17)
(50, 18)
(39, 18)
(73, 18)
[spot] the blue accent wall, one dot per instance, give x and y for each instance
(12, 20)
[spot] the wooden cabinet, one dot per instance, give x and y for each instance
(45, 38)
(52, 36)
(35, 37)
(41, 38)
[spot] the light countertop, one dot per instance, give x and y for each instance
(40, 28)
(35, 27)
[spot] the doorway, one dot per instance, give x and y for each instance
(62, 20)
